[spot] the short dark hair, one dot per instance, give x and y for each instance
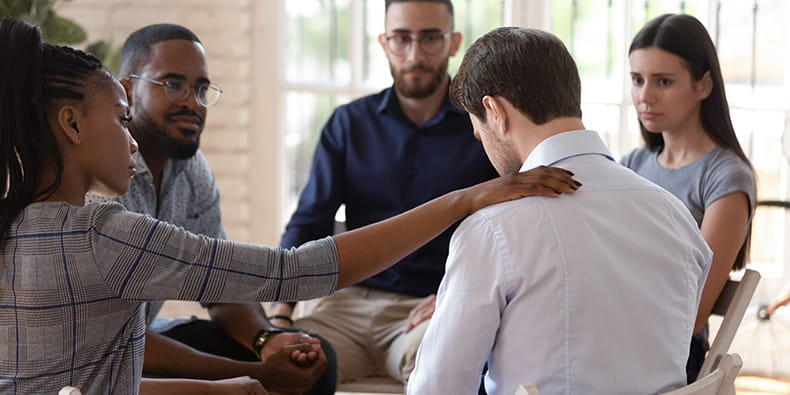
(530, 68)
(136, 47)
(448, 3)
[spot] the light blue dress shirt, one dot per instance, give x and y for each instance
(591, 293)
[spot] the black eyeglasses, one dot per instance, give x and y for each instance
(430, 43)
(206, 95)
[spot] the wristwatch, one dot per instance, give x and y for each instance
(262, 336)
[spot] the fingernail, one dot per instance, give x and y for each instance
(578, 184)
(569, 172)
(574, 187)
(558, 192)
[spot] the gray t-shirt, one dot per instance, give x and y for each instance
(700, 183)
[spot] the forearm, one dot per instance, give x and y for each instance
(169, 358)
(282, 309)
(177, 387)
(368, 250)
(241, 321)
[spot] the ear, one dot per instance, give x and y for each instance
(456, 38)
(127, 87)
(383, 42)
(68, 119)
(705, 86)
(495, 114)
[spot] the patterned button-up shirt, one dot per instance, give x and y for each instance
(72, 280)
(188, 197)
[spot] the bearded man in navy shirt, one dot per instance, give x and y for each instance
(381, 155)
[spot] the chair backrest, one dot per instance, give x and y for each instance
(721, 381)
(527, 389)
(731, 305)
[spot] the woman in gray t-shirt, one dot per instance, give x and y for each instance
(691, 148)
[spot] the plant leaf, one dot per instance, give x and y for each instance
(60, 30)
(15, 8)
(41, 10)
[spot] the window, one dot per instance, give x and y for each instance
(755, 67)
(332, 56)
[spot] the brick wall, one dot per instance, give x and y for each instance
(236, 34)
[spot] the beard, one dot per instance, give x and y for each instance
(156, 136)
(502, 154)
(412, 89)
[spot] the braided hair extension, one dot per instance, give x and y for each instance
(33, 74)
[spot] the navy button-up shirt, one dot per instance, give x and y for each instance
(371, 157)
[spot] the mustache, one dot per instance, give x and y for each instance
(420, 67)
(185, 112)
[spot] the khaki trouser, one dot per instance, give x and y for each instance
(365, 327)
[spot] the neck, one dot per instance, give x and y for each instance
(526, 142)
(154, 158)
(72, 188)
(682, 147)
(422, 110)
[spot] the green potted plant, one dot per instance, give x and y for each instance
(57, 29)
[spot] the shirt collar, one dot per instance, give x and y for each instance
(389, 103)
(142, 167)
(566, 145)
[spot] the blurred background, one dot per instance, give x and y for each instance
(285, 64)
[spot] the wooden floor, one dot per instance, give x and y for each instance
(751, 385)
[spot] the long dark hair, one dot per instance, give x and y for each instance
(685, 36)
(32, 74)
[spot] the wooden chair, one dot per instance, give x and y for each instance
(721, 381)
(731, 305)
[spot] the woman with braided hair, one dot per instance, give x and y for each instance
(73, 276)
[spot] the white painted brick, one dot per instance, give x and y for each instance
(225, 140)
(237, 231)
(228, 70)
(225, 163)
(241, 115)
(235, 188)
(217, 20)
(225, 29)
(227, 46)
(234, 210)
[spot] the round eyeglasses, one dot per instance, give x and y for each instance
(206, 95)
(429, 43)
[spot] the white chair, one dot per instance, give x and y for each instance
(731, 305)
(721, 381)
(527, 389)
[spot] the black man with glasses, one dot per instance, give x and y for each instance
(164, 71)
(381, 155)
